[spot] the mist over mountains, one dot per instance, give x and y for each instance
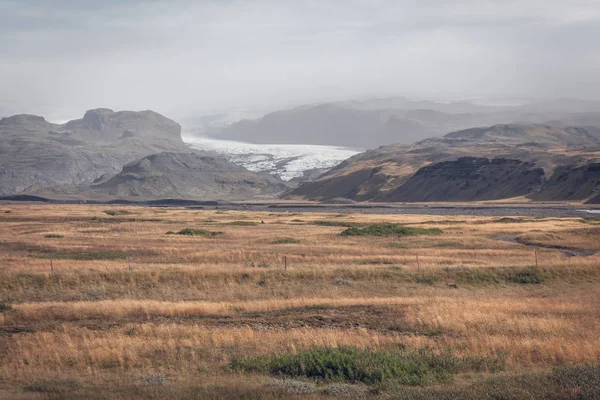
(372, 123)
(550, 154)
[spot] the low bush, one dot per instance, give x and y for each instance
(529, 275)
(53, 236)
(389, 230)
(113, 213)
(195, 232)
(5, 306)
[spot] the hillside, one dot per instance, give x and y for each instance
(187, 175)
(434, 169)
(35, 152)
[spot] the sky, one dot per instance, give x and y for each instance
(185, 58)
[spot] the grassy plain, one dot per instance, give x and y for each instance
(103, 303)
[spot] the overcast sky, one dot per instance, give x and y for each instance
(181, 57)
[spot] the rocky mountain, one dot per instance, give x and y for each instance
(34, 152)
(117, 154)
(376, 122)
(191, 175)
(501, 161)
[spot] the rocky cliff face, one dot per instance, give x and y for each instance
(571, 182)
(469, 179)
(36, 153)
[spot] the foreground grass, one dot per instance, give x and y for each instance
(386, 313)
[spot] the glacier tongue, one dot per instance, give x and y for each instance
(289, 161)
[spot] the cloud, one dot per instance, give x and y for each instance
(184, 57)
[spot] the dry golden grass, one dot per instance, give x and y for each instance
(175, 304)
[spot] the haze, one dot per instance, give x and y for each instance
(184, 58)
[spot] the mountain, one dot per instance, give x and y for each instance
(191, 175)
(370, 123)
(497, 162)
(35, 152)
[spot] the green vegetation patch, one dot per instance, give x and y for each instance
(53, 236)
(336, 223)
(529, 275)
(390, 230)
(195, 232)
(113, 213)
(401, 365)
(286, 240)
(242, 223)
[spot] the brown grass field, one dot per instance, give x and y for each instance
(97, 304)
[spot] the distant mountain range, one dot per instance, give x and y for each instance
(372, 123)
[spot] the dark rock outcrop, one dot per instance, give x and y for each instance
(570, 182)
(469, 179)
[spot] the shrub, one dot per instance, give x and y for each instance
(285, 241)
(7, 211)
(5, 306)
(113, 213)
(195, 232)
(529, 275)
(389, 230)
(297, 220)
(53, 236)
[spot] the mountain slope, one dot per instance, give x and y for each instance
(186, 175)
(381, 174)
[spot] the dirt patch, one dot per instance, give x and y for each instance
(383, 319)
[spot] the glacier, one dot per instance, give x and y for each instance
(288, 161)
